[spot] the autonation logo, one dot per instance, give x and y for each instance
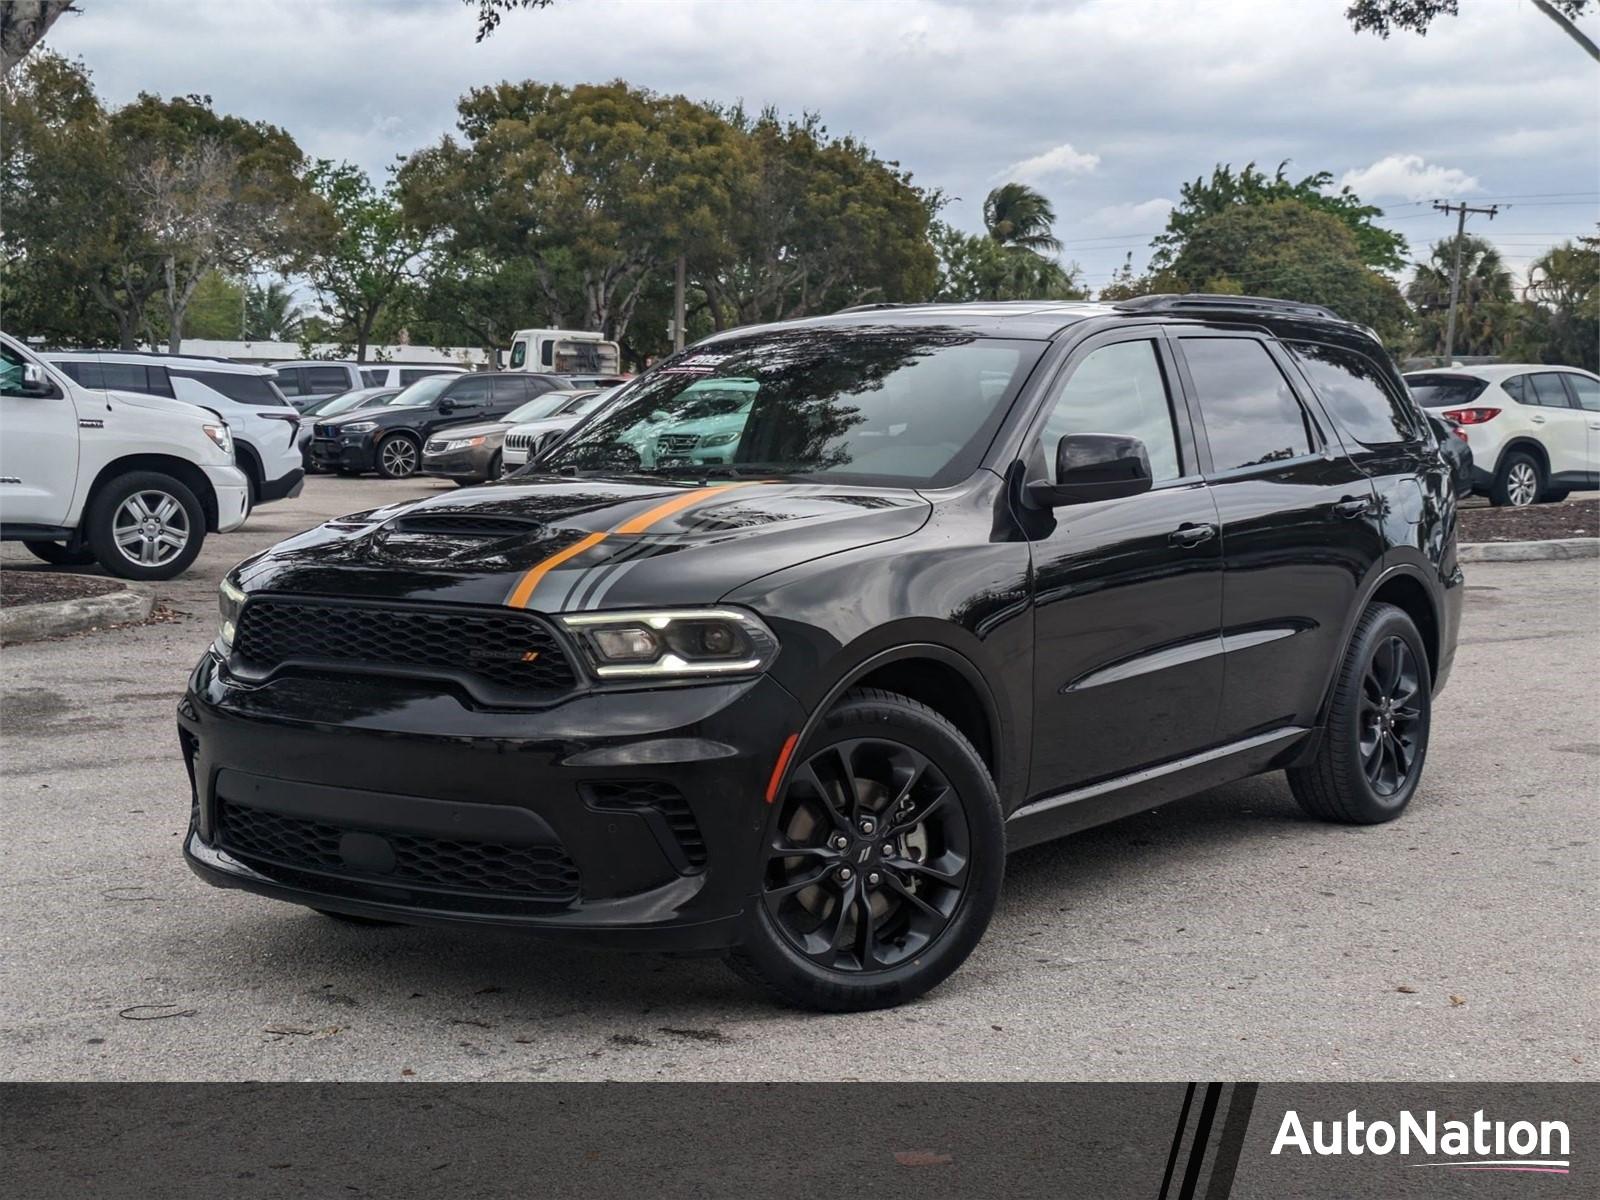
(1476, 1145)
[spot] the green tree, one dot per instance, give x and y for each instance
(271, 313)
(365, 255)
(977, 267)
(1383, 16)
(1017, 215)
(1485, 310)
(1558, 320)
(467, 298)
(217, 309)
(1293, 251)
(1203, 199)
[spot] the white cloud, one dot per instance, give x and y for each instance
(1064, 159)
(1407, 176)
(1124, 218)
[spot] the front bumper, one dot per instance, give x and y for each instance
(628, 818)
(232, 488)
(470, 464)
(285, 487)
(344, 454)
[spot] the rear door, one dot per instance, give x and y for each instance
(508, 392)
(1561, 425)
(1299, 528)
(1127, 593)
(466, 399)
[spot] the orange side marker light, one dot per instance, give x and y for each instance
(780, 766)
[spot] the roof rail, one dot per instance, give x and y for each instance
(869, 307)
(1169, 302)
(216, 358)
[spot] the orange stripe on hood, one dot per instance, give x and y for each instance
(523, 592)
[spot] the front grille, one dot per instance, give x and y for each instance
(503, 656)
(663, 798)
(518, 441)
(677, 443)
(542, 873)
(322, 431)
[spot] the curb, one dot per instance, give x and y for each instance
(1555, 548)
(30, 622)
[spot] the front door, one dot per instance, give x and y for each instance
(1562, 427)
(1300, 530)
(1586, 391)
(1127, 593)
(39, 450)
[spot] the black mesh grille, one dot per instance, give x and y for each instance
(665, 799)
(519, 872)
(511, 652)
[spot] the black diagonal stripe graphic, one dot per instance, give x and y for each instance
(1240, 1103)
(1177, 1140)
(1202, 1136)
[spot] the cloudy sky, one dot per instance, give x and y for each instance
(1105, 105)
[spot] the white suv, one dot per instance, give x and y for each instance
(131, 481)
(264, 424)
(1534, 429)
(309, 380)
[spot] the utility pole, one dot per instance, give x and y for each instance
(1461, 211)
(677, 303)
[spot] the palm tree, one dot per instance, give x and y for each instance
(1484, 310)
(1016, 215)
(271, 314)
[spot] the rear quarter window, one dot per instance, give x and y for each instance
(1445, 391)
(243, 389)
(1357, 394)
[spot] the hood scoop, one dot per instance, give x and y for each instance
(464, 525)
(458, 537)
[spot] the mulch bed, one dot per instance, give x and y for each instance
(44, 587)
(1536, 523)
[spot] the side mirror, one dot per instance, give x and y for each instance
(447, 406)
(1093, 466)
(35, 382)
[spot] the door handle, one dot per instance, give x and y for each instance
(1536, 419)
(1352, 507)
(1188, 536)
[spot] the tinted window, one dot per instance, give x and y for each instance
(1518, 388)
(409, 375)
(1250, 413)
(468, 391)
(1445, 391)
(1117, 389)
(1588, 391)
(547, 354)
(320, 380)
(245, 389)
(891, 406)
(289, 381)
(1356, 393)
(510, 391)
(122, 377)
(375, 378)
(1548, 391)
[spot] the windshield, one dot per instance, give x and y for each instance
(420, 394)
(900, 407)
(538, 408)
(1445, 391)
(360, 398)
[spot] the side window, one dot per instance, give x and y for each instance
(519, 355)
(159, 383)
(547, 354)
(289, 381)
(1117, 389)
(510, 391)
(1356, 393)
(1548, 390)
(469, 391)
(1518, 389)
(85, 373)
(124, 377)
(237, 386)
(373, 378)
(321, 380)
(13, 367)
(1249, 410)
(1587, 391)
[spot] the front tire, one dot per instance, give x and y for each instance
(398, 456)
(1518, 482)
(145, 525)
(882, 860)
(59, 554)
(1376, 737)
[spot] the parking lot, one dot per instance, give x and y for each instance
(1226, 936)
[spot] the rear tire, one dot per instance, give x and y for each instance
(113, 526)
(58, 554)
(901, 904)
(1375, 740)
(1519, 480)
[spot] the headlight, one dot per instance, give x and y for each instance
(230, 600)
(220, 435)
(359, 427)
(719, 439)
(673, 644)
(461, 444)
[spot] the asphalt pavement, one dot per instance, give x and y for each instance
(1225, 937)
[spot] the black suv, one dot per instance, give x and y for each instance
(966, 578)
(388, 437)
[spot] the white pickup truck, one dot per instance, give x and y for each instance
(130, 481)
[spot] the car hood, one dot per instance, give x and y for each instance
(555, 545)
(165, 404)
(383, 415)
(546, 424)
(477, 429)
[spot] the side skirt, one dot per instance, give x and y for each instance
(1082, 808)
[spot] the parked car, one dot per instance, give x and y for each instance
(308, 381)
(1534, 430)
(388, 437)
(333, 406)
(525, 440)
(128, 480)
(976, 576)
(473, 453)
(1457, 450)
(264, 425)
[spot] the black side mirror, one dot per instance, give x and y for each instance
(447, 406)
(1093, 466)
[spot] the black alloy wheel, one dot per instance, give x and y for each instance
(1391, 714)
(870, 858)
